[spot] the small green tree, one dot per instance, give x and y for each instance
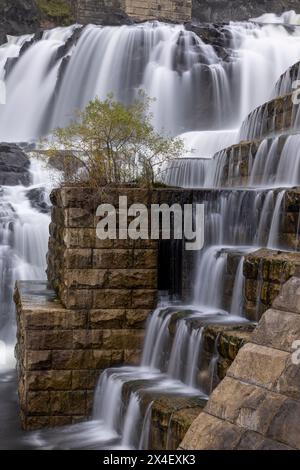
(59, 11)
(110, 143)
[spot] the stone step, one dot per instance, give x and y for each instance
(258, 401)
(265, 273)
(237, 163)
(172, 414)
(62, 352)
(285, 83)
(276, 116)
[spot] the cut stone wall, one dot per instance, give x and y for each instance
(61, 353)
(172, 415)
(173, 10)
(95, 318)
(89, 273)
(257, 405)
(94, 11)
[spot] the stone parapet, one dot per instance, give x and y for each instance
(89, 273)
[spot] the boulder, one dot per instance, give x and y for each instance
(14, 166)
(18, 17)
(38, 200)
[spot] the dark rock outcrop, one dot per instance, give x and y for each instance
(18, 17)
(14, 165)
(37, 198)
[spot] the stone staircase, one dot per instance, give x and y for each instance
(257, 405)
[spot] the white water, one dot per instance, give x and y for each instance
(203, 98)
(288, 17)
(171, 64)
(23, 247)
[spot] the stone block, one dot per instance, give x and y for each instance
(144, 299)
(210, 433)
(285, 426)
(88, 339)
(72, 359)
(77, 258)
(245, 405)
(68, 403)
(84, 379)
(258, 365)
(122, 339)
(54, 339)
(113, 259)
(136, 318)
(289, 297)
(109, 318)
(277, 330)
(145, 259)
(48, 380)
(111, 298)
(85, 278)
(38, 403)
(132, 279)
(38, 360)
(103, 359)
(253, 441)
(289, 382)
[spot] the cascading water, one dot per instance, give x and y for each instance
(202, 94)
(23, 245)
(167, 61)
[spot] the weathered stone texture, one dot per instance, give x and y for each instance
(265, 273)
(257, 406)
(94, 320)
(272, 118)
(61, 352)
(95, 11)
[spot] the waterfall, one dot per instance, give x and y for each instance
(237, 301)
(23, 246)
(288, 18)
(203, 93)
(47, 84)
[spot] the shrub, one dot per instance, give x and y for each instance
(111, 144)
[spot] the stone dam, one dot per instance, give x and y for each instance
(141, 344)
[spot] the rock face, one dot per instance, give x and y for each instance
(256, 406)
(14, 166)
(18, 17)
(37, 198)
(219, 11)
